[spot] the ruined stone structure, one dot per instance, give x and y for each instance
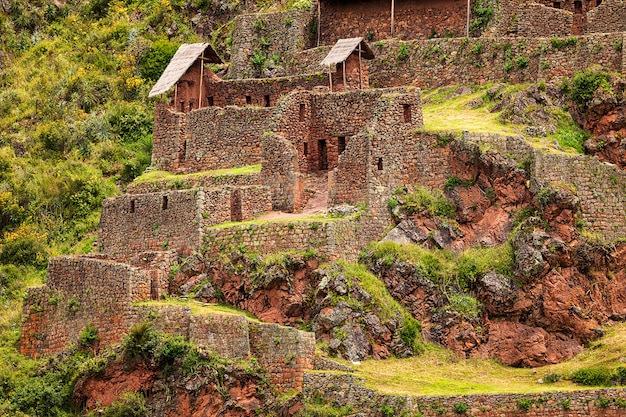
(362, 143)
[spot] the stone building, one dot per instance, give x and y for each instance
(186, 71)
(348, 57)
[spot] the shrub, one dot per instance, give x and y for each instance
(460, 407)
(585, 84)
(600, 376)
(140, 341)
(154, 60)
(603, 402)
(524, 403)
(132, 404)
(410, 331)
(551, 378)
(464, 304)
(521, 61)
(88, 336)
(403, 52)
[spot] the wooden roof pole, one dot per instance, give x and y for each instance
(201, 77)
(330, 79)
(392, 17)
(176, 97)
(360, 70)
(319, 21)
(345, 86)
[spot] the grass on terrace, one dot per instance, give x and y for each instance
(200, 309)
(157, 175)
(438, 372)
(443, 111)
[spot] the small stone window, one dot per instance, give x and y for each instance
(407, 113)
(302, 110)
(341, 144)
(267, 100)
(164, 204)
(248, 100)
(306, 149)
(132, 206)
(556, 4)
(182, 105)
(380, 164)
(578, 7)
(209, 100)
(598, 2)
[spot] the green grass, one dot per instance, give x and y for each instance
(157, 175)
(313, 218)
(200, 309)
(443, 114)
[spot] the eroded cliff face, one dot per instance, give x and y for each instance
(605, 118)
(207, 392)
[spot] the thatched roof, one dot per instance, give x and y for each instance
(184, 58)
(344, 47)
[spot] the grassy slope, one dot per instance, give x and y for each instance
(438, 372)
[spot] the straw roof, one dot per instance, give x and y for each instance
(184, 58)
(344, 47)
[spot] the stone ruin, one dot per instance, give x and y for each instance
(356, 143)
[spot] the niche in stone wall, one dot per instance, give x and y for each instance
(235, 207)
(266, 99)
(210, 101)
(380, 164)
(132, 206)
(248, 100)
(306, 149)
(407, 113)
(182, 151)
(164, 203)
(556, 4)
(301, 114)
(578, 7)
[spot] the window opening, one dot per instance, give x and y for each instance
(132, 206)
(380, 164)
(578, 7)
(164, 205)
(557, 4)
(210, 100)
(267, 100)
(306, 148)
(248, 100)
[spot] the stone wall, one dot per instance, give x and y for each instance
(264, 43)
(284, 352)
(208, 138)
(207, 180)
(610, 16)
(600, 187)
(174, 219)
(223, 138)
(349, 390)
(151, 222)
(170, 129)
(224, 334)
(537, 20)
(437, 62)
(80, 291)
(335, 238)
(372, 19)
(260, 92)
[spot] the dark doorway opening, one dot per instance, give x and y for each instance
(302, 109)
(341, 144)
(322, 155)
(248, 100)
(407, 113)
(267, 100)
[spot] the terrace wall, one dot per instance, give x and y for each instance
(349, 390)
(437, 62)
(600, 187)
(610, 16)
